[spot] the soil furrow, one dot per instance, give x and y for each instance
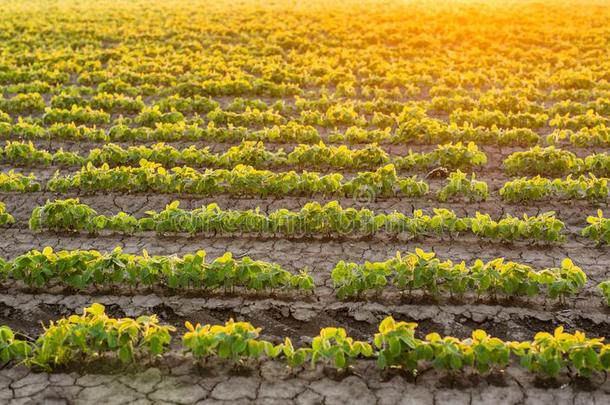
(300, 320)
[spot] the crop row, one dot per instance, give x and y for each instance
(121, 93)
(313, 219)
(330, 220)
(449, 156)
(290, 132)
(94, 334)
(414, 131)
(419, 271)
(124, 95)
(544, 189)
(79, 269)
(245, 180)
(495, 107)
(418, 131)
(423, 271)
(548, 161)
(592, 136)
(239, 181)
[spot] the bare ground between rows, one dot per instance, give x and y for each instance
(317, 254)
(588, 300)
(178, 381)
(20, 205)
(301, 320)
